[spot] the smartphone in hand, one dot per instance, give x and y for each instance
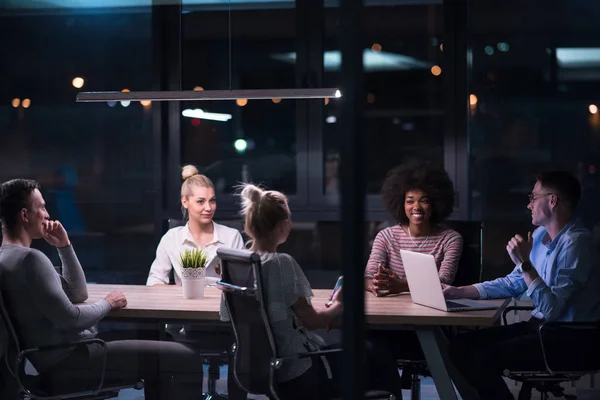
(337, 287)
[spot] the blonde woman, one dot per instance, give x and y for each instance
(292, 315)
(198, 204)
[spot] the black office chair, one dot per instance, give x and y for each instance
(470, 265)
(170, 224)
(17, 383)
(256, 360)
(548, 380)
(469, 272)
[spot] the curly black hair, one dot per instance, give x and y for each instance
(418, 175)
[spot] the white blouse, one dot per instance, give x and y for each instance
(178, 239)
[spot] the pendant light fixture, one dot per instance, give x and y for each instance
(249, 94)
(188, 95)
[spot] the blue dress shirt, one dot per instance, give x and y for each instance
(568, 287)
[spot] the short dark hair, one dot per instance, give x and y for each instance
(418, 175)
(14, 196)
(566, 186)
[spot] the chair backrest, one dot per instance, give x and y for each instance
(8, 385)
(9, 342)
(244, 289)
(166, 225)
(173, 223)
(471, 259)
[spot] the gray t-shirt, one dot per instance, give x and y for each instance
(40, 301)
(285, 284)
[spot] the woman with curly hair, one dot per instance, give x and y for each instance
(419, 196)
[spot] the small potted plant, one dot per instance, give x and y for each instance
(193, 263)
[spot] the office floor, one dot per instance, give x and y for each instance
(428, 391)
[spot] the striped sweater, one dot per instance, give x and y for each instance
(445, 246)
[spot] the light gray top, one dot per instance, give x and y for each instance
(40, 302)
(286, 283)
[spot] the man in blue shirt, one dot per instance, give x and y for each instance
(555, 267)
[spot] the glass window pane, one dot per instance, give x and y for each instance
(403, 83)
(94, 160)
(532, 88)
(258, 143)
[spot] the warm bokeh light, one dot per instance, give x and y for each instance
(125, 90)
(195, 122)
(15, 102)
(198, 89)
(26, 103)
(436, 70)
(376, 48)
(370, 98)
(276, 101)
(241, 102)
(145, 103)
(441, 46)
(472, 99)
(78, 82)
(326, 100)
(593, 109)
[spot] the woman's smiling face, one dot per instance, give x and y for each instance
(418, 207)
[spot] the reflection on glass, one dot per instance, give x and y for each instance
(248, 140)
(94, 162)
(403, 94)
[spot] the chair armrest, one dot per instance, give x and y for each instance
(276, 362)
(241, 290)
(317, 353)
(379, 395)
(514, 308)
(22, 355)
(62, 346)
(546, 327)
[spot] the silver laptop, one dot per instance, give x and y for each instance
(426, 288)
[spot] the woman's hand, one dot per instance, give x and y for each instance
(386, 281)
(336, 307)
(336, 300)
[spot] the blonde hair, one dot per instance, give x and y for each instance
(191, 177)
(262, 211)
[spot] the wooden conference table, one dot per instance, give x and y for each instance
(166, 303)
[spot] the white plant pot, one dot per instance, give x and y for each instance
(193, 282)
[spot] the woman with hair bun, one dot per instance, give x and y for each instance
(198, 204)
(292, 315)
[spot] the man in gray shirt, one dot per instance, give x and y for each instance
(41, 305)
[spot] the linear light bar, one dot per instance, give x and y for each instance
(189, 95)
(201, 114)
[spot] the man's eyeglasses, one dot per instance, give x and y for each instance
(534, 196)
